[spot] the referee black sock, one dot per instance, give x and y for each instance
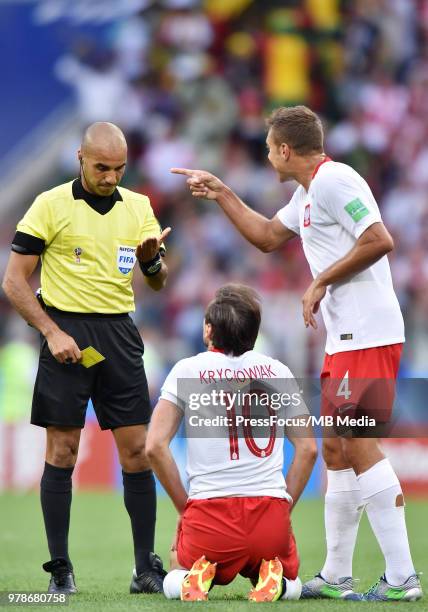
(139, 491)
(55, 496)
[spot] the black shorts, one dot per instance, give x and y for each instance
(117, 385)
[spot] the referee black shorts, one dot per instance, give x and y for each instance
(117, 385)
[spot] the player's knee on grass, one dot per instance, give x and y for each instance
(172, 583)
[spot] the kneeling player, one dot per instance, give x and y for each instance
(236, 517)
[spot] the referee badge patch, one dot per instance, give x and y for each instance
(126, 258)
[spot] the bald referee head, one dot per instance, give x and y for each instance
(102, 157)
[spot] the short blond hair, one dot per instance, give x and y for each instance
(298, 127)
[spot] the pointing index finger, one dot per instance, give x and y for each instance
(164, 234)
(185, 171)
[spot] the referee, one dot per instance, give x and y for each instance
(89, 233)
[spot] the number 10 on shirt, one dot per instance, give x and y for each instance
(248, 422)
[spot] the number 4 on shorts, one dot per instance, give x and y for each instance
(344, 390)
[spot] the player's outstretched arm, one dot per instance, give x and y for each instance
(305, 455)
(266, 234)
(16, 287)
(165, 421)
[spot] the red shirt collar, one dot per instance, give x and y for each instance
(323, 161)
(215, 350)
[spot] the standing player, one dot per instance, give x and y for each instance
(237, 511)
(345, 242)
(89, 234)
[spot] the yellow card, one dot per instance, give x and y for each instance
(91, 357)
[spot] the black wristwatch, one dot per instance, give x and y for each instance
(152, 267)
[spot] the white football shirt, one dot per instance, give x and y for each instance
(362, 311)
(227, 461)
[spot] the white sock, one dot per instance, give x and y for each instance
(342, 512)
(293, 588)
(382, 493)
(172, 583)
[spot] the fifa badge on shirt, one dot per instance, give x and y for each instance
(357, 210)
(126, 258)
(78, 251)
(307, 216)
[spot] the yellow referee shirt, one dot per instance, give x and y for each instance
(88, 257)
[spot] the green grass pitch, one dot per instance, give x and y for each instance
(102, 554)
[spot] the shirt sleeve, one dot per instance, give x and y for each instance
(348, 200)
(170, 389)
(289, 215)
(37, 221)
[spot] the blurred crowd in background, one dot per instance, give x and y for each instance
(190, 82)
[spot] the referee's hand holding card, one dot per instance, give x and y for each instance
(62, 346)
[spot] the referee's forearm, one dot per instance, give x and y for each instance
(158, 281)
(22, 298)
